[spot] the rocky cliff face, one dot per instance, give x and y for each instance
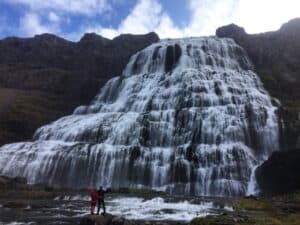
(45, 77)
(276, 56)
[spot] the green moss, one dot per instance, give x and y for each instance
(27, 194)
(293, 219)
(266, 221)
(253, 204)
(293, 197)
(279, 210)
(27, 111)
(140, 191)
(213, 220)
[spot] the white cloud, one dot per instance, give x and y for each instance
(107, 32)
(146, 16)
(53, 17)
(206, 16)
(255, 15)
(31, 24)
(265, 15)
(86, 7)
(166, 28)
(149, 15)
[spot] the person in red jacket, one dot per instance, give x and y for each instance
(94, 198)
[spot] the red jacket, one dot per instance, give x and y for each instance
(94, 194)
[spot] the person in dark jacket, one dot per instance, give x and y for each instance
(101, 193)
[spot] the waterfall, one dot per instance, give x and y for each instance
(188, 116)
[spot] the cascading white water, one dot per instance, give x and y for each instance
(188, 116)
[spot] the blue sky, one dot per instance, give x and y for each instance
(169, 18)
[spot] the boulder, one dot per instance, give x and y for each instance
(107, 219)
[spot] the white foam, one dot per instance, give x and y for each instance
(157, 209)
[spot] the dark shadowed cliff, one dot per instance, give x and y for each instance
(45, 77)
(276, 56)
(280, 174)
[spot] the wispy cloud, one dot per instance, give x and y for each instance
(53, 17)
(146, 16)
(31, 24)
(205, 16)
(86, 7)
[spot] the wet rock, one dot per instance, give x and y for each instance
(14, 204)
(118, 221)
(87, 221)
(20, 180)
(251, 197)
(172, 57)
(6, 181)
(280, 173)
(107, 219)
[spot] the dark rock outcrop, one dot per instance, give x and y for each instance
(280, 173)
(97, 220)
(45, 77)
(109, 219)
(276, 56)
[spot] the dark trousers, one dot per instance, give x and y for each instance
(101, 202)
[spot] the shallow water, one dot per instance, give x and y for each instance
(69, 209)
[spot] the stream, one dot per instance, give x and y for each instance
(68, 209)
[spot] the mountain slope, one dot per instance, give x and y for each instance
(45, 77)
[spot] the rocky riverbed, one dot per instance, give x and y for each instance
(24, 204)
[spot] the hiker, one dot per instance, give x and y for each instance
(94, 198)
(101, 193)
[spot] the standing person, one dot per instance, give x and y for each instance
(101, 193)
(94, 198)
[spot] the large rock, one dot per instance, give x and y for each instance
(106, 219)
(280, 174)
(45, 77)
(276, 56)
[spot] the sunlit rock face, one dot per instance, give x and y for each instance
(188, 116)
